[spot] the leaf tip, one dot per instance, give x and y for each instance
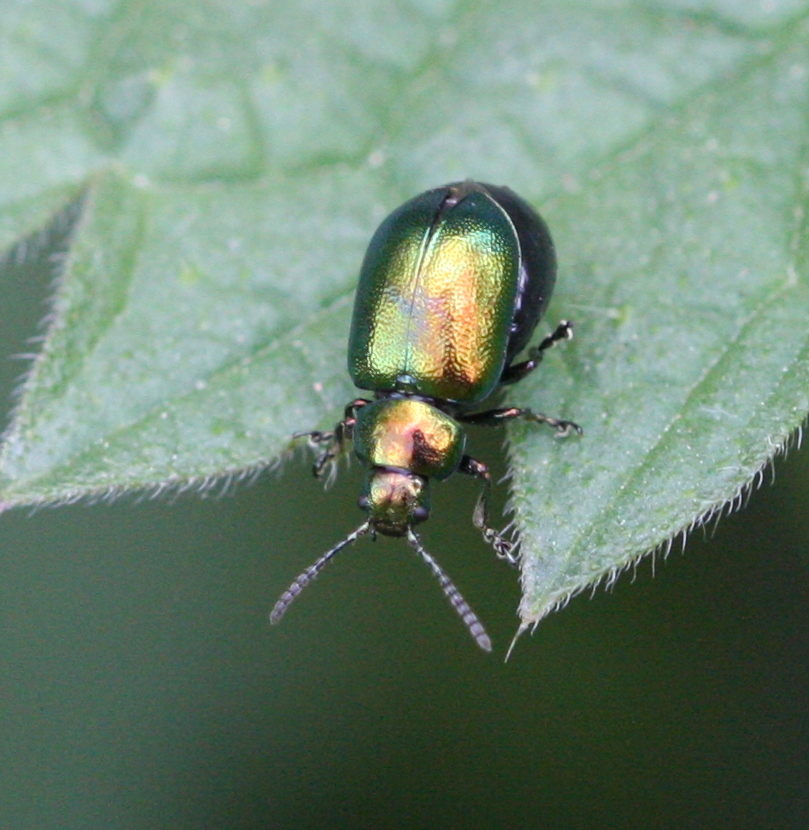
(524, 625)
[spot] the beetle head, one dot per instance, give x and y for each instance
(395, 500)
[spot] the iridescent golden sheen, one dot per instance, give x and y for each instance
(436, 298)
(411, 435)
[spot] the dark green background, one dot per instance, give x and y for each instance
(142, 686)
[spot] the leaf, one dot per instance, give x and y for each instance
(233, 160)
(691, 370)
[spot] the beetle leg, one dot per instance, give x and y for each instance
(517, 371)
(494, 417)
(331, 444)
(334, 444)
(480, 517)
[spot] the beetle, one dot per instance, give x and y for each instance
(450, 291)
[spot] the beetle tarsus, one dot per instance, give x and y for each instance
(334, 444)
(563, 428)
(335, 440)
(314, 437)
(503, 548)
(495, 417)
(517, 371)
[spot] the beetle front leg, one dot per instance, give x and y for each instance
(495, 417)
(331, 444)
(480, 516)
(511, 374)
(328, 445)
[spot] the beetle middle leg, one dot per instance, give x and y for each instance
(480, 516)
(330, 445)
(517, 371)
(495, 417)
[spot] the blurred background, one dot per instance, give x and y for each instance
(142, 686)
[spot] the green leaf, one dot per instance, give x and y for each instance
(232, 160)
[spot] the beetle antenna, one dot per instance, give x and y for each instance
(301, 581)
(455, 597)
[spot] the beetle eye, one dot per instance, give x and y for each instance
(421, 514)
(363, 502)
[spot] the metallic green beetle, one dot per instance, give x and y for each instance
(452, 287)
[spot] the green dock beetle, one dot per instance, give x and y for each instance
(452, 287)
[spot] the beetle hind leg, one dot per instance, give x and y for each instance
(517, 371)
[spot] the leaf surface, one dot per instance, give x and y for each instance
(231, 162)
